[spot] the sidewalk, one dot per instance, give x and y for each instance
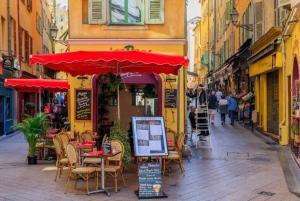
(240, 166)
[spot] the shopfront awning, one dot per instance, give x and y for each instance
(37, 85)
(103, 62)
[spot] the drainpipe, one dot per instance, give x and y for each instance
(8, 28)
(283, 128)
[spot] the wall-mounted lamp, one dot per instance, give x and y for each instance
(234, 19)
(213, 50)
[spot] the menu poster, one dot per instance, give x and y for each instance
(170, 98)
(149, 136)
(83, 106)
(150, 182)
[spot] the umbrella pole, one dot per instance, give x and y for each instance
(118, 95)
(40, 101)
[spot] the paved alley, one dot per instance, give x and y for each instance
(240, 166)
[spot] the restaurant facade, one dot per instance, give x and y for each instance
(163, 33)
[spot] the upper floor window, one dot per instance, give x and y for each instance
(126, 12)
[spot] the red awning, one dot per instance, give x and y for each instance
(102, 62)
(34, 85)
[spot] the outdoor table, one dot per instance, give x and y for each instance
(80, 147)
(100, 154)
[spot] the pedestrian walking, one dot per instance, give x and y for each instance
(218, 95)
(232, 107)
(223, 104)
(212, 103)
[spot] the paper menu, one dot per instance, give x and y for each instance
(155, 145)
(142, 134)
(155, 130)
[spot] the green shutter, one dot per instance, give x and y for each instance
(155, 12)
(97, 11)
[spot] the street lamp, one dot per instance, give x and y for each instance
(234, 18)
(53, 31)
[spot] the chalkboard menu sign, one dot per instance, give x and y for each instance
(170, 98)
(83, 106)
(150, 182)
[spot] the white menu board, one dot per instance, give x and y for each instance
(149, 136)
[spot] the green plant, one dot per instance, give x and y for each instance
(118, 132)
(33, 128)
(29, 105)
(295, 127)
(113, 81)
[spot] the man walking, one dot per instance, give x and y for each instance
(218, 95)
(223, 108)
(232, 107)
(212, 104)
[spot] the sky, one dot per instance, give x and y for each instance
(193, 9)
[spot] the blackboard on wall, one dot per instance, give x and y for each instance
(83, 104)
(170, 98)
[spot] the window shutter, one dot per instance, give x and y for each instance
(21, 42)
(97, 11)
(155, 12)
(26, 47)
(258, 20)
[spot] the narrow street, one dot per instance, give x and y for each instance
(240, 166)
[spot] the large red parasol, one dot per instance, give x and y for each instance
(102, 62)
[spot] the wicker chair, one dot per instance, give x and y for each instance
(175, 156)
(74, 169)
(61, 160)
(65, 138)
(114, 165)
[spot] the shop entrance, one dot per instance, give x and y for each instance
(273, 102)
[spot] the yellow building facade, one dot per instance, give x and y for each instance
(152, 26)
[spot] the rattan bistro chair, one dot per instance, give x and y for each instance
(75, 170)
(114, 165)
(61, 160)
(175, 156)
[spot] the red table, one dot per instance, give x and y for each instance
(100, 154)
(80, 147)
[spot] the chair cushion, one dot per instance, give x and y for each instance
(173, 156)
(110, 168)
(83, 170)
(92, 160)
(64, 161)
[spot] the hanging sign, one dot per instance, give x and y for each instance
(8, 62)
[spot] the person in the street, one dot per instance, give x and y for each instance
(232, 107)
(223, 104)
(212, 103)
(200, 94)
(192, 117)
(218, 95)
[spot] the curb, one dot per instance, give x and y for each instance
(2, 138)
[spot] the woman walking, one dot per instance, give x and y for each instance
(223, 108)
(232, 107)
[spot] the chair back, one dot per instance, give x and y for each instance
(180, 143)
(71, 134)
(65, 138)
(118, 146)
(58, 147)
(87, 136)
(72, 155)
(171, 135)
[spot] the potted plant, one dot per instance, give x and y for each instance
(118, 132)
(295, 130)
(29, 106)
(33, 128)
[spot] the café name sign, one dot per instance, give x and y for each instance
(8, 62)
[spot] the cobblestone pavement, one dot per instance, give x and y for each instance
(240, 166)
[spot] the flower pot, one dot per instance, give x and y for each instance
(32, 160)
